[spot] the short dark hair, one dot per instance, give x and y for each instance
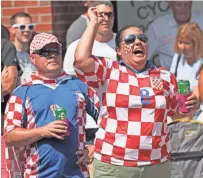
(120, 34)
(19, 14)
(96, 3)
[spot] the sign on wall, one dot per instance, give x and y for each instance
(142, 13)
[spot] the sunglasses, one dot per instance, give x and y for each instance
(23, 27)
(108, 14)
(46, 52)
(129, 39)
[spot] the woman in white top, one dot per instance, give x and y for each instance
(188, 57)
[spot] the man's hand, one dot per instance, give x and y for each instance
(56, 129)
(83, 157)
(95, 16)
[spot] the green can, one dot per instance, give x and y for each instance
(60, 114)
(183, 87)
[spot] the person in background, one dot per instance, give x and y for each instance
(8, 69)
(104, 46)
(8, 83)
(188, 57)
(47, 145)
(162, 31)
(104, 43)
(133, 139)
(77, 28)
(22, 29)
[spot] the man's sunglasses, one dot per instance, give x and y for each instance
(23, 27)
(46, 52)
(129, 39)
(108, 14)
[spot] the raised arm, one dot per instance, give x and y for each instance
(83, 58)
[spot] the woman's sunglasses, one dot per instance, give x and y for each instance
(23, 27)
(46, 52)
(129, 39)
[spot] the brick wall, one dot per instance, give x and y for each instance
(63, 14)
(49, 16)
(41, 12)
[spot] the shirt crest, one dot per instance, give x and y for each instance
(156, 82)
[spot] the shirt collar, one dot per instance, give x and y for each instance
(149, 66)
(35, 78)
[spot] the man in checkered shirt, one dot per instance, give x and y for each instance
(133, 139)
(38, 145)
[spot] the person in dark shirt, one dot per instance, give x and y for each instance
(8, 69)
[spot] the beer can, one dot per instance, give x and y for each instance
(183, 94)
(61, 114)
(183, 87)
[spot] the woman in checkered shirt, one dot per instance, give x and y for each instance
(133, 138)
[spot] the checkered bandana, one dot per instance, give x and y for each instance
(42, 39)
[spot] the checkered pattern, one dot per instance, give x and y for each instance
(35, 78)
(27, 156)
(42, 39)
(156, 83)
(17, 157)
(133, 127)
(81, 129)
(81, 121)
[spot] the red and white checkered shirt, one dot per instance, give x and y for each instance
(19, 157)
(133, 118)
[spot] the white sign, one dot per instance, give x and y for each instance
(142, 13)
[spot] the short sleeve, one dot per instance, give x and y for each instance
(8, 54)
(13, 114)
(69, 58)
(97, 78)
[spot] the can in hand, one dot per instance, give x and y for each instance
(183, 93)
(61, 114)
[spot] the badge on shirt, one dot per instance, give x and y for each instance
(156, 82)
(54, 107)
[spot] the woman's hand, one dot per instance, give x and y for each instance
(192, 104)
(95, 16)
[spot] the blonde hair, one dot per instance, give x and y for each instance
(192, 31)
